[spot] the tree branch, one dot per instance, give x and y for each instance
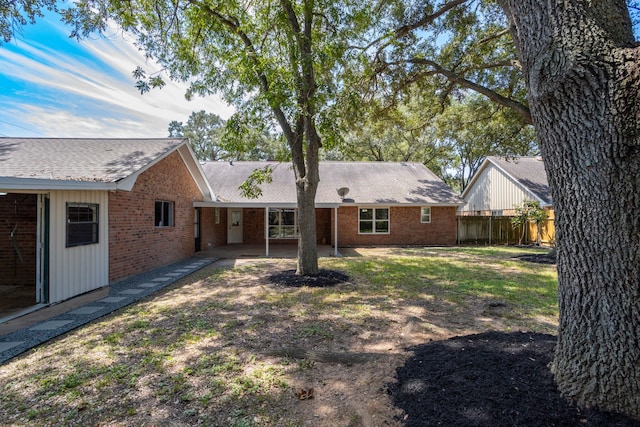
(427, 19)
(518, 107)
(232, 24)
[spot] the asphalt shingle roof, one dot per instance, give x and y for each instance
(368, 183)
(529, 172)
(80, 159)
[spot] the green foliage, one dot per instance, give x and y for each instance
(251, 187)
(528, 210)
(204, 131)
(16, 13)
(475, 128)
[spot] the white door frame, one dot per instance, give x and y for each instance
(234, 225)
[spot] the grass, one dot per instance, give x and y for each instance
(192, 354)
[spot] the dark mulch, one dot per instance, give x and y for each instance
(489, 379)
(324, 278)
(538, 258)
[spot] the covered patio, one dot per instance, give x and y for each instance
(258, 251)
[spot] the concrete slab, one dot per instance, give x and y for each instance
(113, 299)
(162, 279)
(30, 319)
(4, 346)
(131, 291)
(86, 310)
(51, 324)
(148, 285)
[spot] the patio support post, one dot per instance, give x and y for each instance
(266, 230)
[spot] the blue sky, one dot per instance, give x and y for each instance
(54, 86)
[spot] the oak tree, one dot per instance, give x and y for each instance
(581, 64)
(204, 132)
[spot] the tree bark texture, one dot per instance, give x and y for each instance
(581, 66)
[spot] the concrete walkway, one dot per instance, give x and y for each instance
(120, 294)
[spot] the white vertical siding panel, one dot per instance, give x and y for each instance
(77, 270)
(494, 190)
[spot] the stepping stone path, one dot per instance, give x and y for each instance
(121, 294)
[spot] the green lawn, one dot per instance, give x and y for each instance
(194, 354)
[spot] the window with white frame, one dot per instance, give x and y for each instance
(425, 215)
(373, 220)
(164, 214)
(82, 224)
(283, 223)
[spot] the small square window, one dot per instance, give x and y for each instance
(425, 215)
(164, 214)
(82, 224)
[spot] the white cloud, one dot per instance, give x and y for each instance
(89, 93)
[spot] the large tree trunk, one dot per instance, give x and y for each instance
(581, 67)
(307, 178)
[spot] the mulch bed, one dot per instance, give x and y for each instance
(488, 379)
(324, 278)
(537, 258)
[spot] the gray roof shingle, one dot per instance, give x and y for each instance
(529, 172)
(368, 183)
(80, 159)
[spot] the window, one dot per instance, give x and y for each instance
(373, 221)
(82, 224)
(283, 224)
(217, 215)
(425, 215)
(164, 214)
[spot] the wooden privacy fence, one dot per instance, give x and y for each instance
(490, 230)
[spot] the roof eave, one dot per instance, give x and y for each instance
(35, 184)
(286, 205)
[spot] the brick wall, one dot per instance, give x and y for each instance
(253, 226)
(136, 245)
(213, 234)
(405, 228)
(20, 210)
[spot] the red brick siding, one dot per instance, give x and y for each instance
(135, 244)
(20, 210)
(213, 234)
(405, 228)
(253, 226)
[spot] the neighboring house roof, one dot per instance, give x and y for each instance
(527, 172)
(369, 183)
(87, 163)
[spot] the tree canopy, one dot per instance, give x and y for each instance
(15, 14)
(276, 62)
